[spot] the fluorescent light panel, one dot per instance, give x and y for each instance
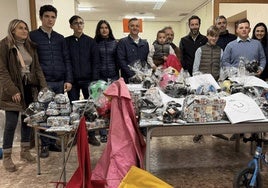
(140, 17)
(153, 1)
(158, 5)
(85, 9)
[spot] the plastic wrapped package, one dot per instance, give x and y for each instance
(202, 108)
(98, 123)
(148, 82)
(61, 99)
(57, 121)
(52, 112)
(64, 109)
(79, 106)
(34, 107)
(103, 106)
(45, 95)
(172, 112)
(36, 118)
(173, 84)
(136, 91)
(52, 109)
(142, 70)
(96, 88)
(151, 104)
(206, 89)
(74, 116)
(153, 95)
(252, 66)
(228, 72)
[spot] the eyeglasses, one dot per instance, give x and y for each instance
(78, 23)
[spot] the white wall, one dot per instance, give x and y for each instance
(255, 12)
(65, 11)
(7, 6)
(205, 13)
(11, 9)
(149, 29)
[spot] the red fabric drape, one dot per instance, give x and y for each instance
(82, 176)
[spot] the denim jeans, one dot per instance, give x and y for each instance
(10, 127)
(57, 88)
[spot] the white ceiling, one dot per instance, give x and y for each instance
(114, 10)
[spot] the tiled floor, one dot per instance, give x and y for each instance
(176, 160)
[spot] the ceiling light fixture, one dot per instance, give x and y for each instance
(81, 9)
(85, 7)
(139, 17)
(158, 5)
(153, 1)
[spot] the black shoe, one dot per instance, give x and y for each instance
(198, 138)
(103, 139)
(44, 152)
(93, 141)
(54, 147)
(143, 131)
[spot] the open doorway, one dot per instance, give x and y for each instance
(232, 19)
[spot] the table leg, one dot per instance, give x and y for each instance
(237, 143)
(38, 150)
(63, 157)
(148, 145)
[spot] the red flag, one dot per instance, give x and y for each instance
(82, 176)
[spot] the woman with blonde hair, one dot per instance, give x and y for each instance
(20, 79)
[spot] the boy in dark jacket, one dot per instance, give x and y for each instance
(85, 62)
(55, 62)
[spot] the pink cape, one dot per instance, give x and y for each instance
(125, 146)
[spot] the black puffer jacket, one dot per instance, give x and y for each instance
(53, 56)
(108, 60)
(84, 56)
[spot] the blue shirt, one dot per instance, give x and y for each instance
(250, 49)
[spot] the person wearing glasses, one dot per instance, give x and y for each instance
(55, 62)
(85, 62)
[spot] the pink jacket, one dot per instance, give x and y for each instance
(126, 145)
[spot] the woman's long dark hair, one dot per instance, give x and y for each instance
(98, 36)
(264, 39)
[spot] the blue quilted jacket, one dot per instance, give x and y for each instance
(128, 52)
(53, 56)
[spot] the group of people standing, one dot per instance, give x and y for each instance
(30, 61)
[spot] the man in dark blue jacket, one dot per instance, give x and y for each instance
(54, 60)
(131, 49)
(85, 64)
(225, 37)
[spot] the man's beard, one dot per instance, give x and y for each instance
(194, 31)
